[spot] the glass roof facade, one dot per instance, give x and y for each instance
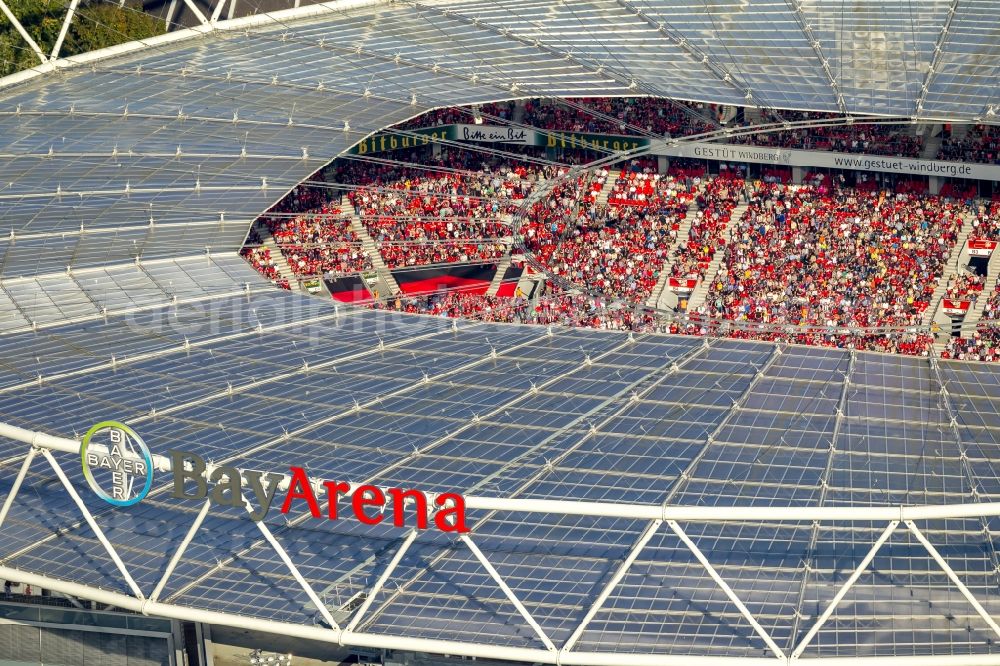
(169, 152)
(269, 380)
(201, 135)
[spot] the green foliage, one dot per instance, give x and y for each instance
(96, 25)
(102, 24)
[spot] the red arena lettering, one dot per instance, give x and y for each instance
(448, 508)
(366, 496)
(399, 497)
(451, 516)
(300, 488)
(333, 489)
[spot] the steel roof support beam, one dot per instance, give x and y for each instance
(197, 12)
(886, 533)
(382, 580)
(98, 532)
(64, 29)
(179, 553)
(953, 576)
(806, 28)
(724, 586)
(471, 649)
(320, 606)
(21, 31)
(824, 486)
(18, 480)
(703, 514)
(613, 583)
(495, 575)
(171, 8)
(935, 63)
(218, 11)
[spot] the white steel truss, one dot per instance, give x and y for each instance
(64, 29)
(550, 653)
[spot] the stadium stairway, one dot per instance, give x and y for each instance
(951, 267)
(976, 311)
(602, 197)
(386, 284)
(700, 292)
(518, 116)
(660, 297)
(281, 263)
(932, 142)
(502, 267)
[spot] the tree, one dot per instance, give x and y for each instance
(95, 26)
(103, 24)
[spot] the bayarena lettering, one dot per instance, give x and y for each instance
(224, 485)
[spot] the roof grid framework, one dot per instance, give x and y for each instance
(285, 88)
(729, 424)
(267, 379)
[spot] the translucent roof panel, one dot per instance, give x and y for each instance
(142, 173)
(221, 126)
(274, 379)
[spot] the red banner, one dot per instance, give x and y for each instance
(981, 248)
(955, 307)
(682, 284)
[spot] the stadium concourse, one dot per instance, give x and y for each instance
(574, 333)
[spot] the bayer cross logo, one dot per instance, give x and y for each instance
(116, 463)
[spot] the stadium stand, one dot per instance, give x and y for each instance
(618, 249)
(700, 484)
(835, 257)
(981, 144)
(870, 139)
(818, 258)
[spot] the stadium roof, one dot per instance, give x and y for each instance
(790, 463)
(200, 130)
(600, 419)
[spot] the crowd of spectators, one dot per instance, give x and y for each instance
(618, 249)
(871, 139)
(826, 258)
(321, 243)
(981, 144)
(622, 115)
(460, 304)
(965, 287)
(907, 342)
(986, 224)
(983, 344)
(555, 308)
(810, 263)
(491, 113)
(717, 197)
(312, 232)
(456, 209)
(260, 258)
(672, 119)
